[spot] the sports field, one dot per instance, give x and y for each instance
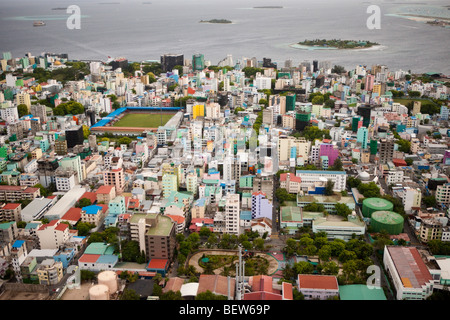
(143, 120)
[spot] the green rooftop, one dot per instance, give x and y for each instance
(291, 214)
(360, 292)
(162, 228)
(99, 248)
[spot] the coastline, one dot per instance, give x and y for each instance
(415, 17)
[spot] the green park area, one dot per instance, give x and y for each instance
(143, 120)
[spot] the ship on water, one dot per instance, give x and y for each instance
(39, 23)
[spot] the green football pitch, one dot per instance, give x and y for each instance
(143, 120)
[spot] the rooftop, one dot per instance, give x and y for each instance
(410, 267)
(307, 281)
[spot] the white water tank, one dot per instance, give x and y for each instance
(109, 279)
(99, 292)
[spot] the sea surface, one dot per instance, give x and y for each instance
(143, 30)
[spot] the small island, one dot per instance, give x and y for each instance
(338, 44)
(216, 21)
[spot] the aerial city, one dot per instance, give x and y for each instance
(185, 177)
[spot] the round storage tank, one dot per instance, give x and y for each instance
(109, 279)
(389, 221)
(99, 292)
(371, 205)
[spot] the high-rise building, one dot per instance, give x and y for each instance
(73, 163)
(416, 107)
(119, 63)
(232, 213)
(24, 98)
(169, 184)
(198, 62)
(315, 66)
(365, 112)
(116, 178)
(169, 61)
(290, 101)
(386, 150)
(370, 80)
(40, 111)
(267, 63)
(74, 136)
(362, 136)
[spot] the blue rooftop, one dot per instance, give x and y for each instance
(92, 209)
(18, 243)
(108, 259)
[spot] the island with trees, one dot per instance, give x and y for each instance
(338, 44)
(225, 21)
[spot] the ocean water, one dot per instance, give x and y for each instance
(141, 31)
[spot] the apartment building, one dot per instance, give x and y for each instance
(53, 234)
(17, 193)
(443, 193)
(116, 178)
(155, 234)
(232, 213)
(310, 177)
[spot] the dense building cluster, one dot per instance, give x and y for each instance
(157, 168)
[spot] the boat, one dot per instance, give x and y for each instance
(39, 23)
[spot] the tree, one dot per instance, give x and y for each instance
(86, 131)
(264, 102)
(318, 100)
(87, 275)
(208, 295)
(71, 107)
(116, 105)
(338, 69)
(329, 188)
(337, 165)
(131, 252)
(330, 268)
(303, 267)
(258, 243)
(84, 228)
(429, 201)
(22, 110)
(369, 190)
(171, 295)
(44, 191)
(83, 202)
(124, 140)
(291, 247)
(342, 209)
(297, 295)
(353, 182)
(324, 253)
(157, 290)
(347, 255)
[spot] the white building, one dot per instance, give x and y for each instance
(394, 176)
(310, 177)
(53, 235)
(410, 275)
(232, 212)
(319, 287)
(263, 83)
(412, 198)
